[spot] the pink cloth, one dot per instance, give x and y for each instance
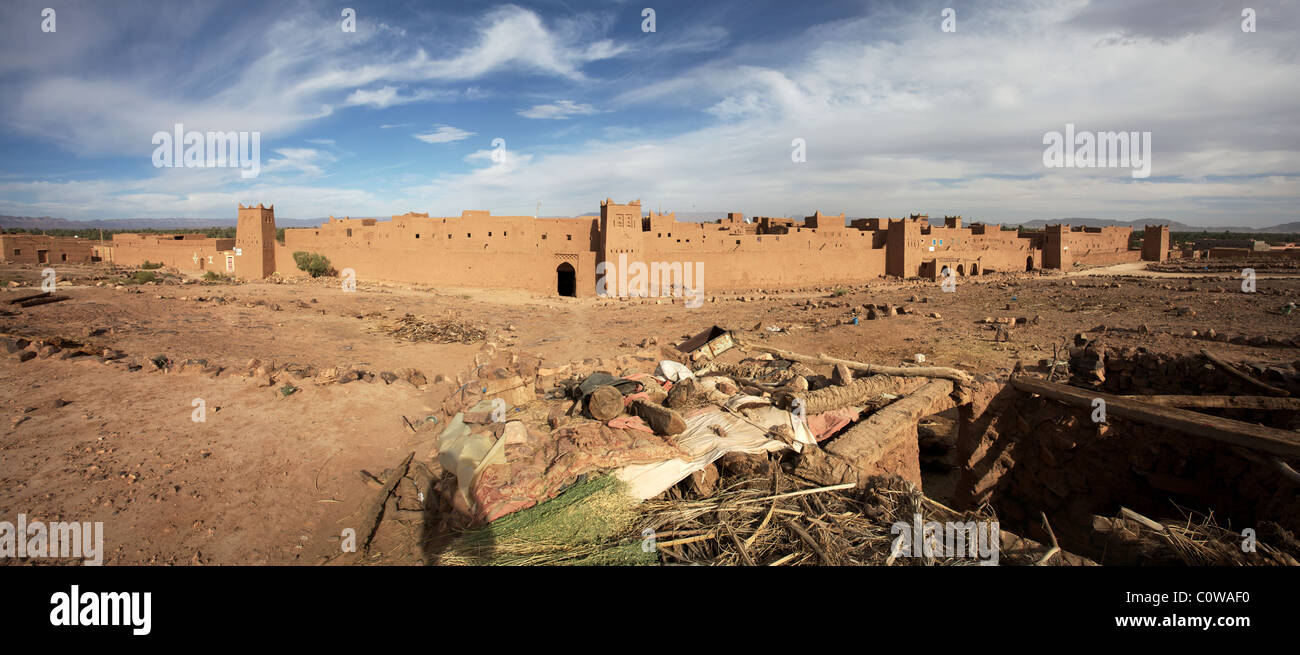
(826, 424)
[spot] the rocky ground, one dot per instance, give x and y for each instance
(272, 476)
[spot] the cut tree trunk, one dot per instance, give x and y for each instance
(960, 377)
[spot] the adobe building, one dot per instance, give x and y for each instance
(1155, 243)
(41, 249)
(566, 256)
(186, 252)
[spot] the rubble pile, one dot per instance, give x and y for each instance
(411, 328)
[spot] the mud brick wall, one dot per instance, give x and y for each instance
(1024, 454)
(1131, 371)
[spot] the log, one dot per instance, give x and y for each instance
(605, 403)
(15, 301)
(1248, 379)
(691, 393)
(1222, 402)
(857, 392)
(375, 512)
(1237, 433)
(866, 440)
(45, 301)
(662, 420)
(941, 372)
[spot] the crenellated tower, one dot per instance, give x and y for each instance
(255, 241)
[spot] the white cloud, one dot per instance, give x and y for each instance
(302, 160)
(559, 110)
(444, 134)
(280, 89)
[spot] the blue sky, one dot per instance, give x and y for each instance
(699, 115)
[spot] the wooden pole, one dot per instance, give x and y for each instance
(662, 420)
(1237, 433)
(45, 301)
(960, 377)
(1222, 402)
(1243, 377)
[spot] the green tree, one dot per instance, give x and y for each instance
(314, 264)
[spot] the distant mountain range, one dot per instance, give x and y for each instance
(50, 223)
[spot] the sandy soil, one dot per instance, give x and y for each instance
(272, 479)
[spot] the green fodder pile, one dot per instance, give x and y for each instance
(592, 522)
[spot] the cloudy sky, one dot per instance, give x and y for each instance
(896, 114)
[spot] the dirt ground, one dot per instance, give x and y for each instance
(269, 479)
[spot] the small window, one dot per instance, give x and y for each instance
(489, 234)
(543, 237)
(349, 231)
(448, 236)
(505, 234)
(417, 235)
(18, 251)
(568, 237)
(737, 241)
(64, 256)
(469, 235)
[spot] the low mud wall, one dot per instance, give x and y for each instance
(1024, 454)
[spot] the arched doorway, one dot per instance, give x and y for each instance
(975, 269)
(961, 270)
(1029, 263)
(566, 280)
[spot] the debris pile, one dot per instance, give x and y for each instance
(411, 328)
(520, 438)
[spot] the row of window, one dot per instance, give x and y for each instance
(469, 235)
(19, 251)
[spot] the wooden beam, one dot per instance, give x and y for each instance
(958, 376)
(1232, 370)
(15, 301)
(878, 432)
(1222, 402)
(1237, 433)
(45, 301)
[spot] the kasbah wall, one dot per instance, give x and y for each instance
(39, 249)
(563, 255)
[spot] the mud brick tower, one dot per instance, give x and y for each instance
(1155, 243)
(620, 228)
(255, 240)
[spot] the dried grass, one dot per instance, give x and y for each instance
(1198, 540)
(781, 521)
(411, 328)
